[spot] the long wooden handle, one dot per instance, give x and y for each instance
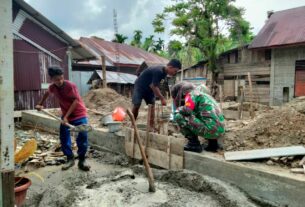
(57, 118)
(146, 164)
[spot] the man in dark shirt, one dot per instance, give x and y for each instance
(147, 86)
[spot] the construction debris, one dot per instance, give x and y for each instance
(278, 127)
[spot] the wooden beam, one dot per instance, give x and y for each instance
(103, 58)
(252, 113)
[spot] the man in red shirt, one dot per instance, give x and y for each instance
(73, 111)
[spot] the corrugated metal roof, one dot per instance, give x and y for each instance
(129, 55)
(78, 52)
(282, 28)
(114, 77)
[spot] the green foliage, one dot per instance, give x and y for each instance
(137, 38)
(209, 27)
(120, 38)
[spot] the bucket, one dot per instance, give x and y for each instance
(114, 126)
(21, 186)
(107, 119)
(118, 114)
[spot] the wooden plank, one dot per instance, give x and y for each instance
(265, 153)
(158, 158)
(164, 151)
(8, 185)
(158, 141)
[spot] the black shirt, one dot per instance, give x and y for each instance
(152, 75)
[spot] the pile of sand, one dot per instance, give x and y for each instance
(105, 100)
(274, 128)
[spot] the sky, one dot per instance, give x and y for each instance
(95, 17)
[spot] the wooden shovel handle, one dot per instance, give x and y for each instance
(57, 118)
(146, 164)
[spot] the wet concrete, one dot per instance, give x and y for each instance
(112, 183)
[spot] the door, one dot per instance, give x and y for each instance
(299, 88)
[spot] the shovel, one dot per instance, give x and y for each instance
(79, 128)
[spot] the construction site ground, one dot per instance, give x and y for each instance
(112, 173)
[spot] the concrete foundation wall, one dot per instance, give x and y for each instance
(283, 72)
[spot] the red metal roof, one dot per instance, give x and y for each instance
(129, 55)
(283, 28)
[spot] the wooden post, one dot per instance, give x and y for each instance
(146, 164)
(251, 95)
(148, 127)
(103, 58)
(241, 103)
(7, 182)
(220, 96)
(69, 55)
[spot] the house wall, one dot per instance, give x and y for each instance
(35, 49)
(283, 72)
(234, 74)
(80, 78)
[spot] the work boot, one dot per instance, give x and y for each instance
(70, 163)
(82, 164)
(212, 145)
(193, 144)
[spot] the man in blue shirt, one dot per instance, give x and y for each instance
(147, 86)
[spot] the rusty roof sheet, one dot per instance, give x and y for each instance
(114, 77)
(128, 54)
(281, 29)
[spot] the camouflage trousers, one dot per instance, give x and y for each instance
(205, 127)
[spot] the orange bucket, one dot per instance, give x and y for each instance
(118, 114)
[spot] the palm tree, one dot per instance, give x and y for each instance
(137, 38)
(120, 38)
(148, 43)
(159, 45)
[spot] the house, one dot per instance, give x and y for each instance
(275, 61)
(284, 36)
(38, 44)
(114, 80)
(120, 58)
(235, 65)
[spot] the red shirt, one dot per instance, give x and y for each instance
(66, 94)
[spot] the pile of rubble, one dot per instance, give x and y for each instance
(278, 127)
(48, 148)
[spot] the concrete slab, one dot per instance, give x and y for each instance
(265, 153)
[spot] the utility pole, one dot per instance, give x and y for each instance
(6, 106)
(117, 48)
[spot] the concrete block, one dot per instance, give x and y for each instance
(264, 183)
(34, 117)
(111, 141)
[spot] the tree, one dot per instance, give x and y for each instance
(174, 47)
(137, 38)
(204, 24)
(159, 45)
(120, 38)
(148, 43)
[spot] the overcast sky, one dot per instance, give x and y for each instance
(95, 17)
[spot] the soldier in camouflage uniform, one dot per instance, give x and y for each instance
(197, 114)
